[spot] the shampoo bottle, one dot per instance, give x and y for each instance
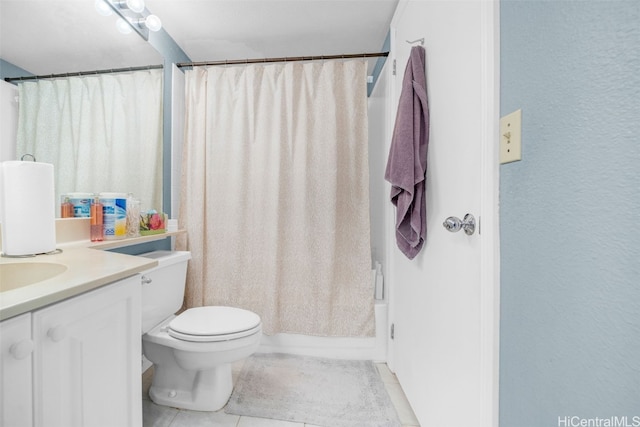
(96, 221)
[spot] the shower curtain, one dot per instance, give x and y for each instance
(275, 194)
(101, 132)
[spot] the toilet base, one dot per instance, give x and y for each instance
(194, 375)
(207, 390)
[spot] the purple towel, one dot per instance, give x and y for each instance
(407, 163)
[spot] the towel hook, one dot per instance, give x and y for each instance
(416, 41)
(30, 155)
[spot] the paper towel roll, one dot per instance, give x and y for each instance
(27, 208)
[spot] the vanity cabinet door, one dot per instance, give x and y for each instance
(87, 359)
(15, 371)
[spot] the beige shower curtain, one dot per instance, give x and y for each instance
(275, 194)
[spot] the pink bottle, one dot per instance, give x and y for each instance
(97, 231)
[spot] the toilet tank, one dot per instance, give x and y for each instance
(163, 286)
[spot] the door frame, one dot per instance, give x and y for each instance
(488, 221)
(489, 217)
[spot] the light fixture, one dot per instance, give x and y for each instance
(150, 23)
(136, 6)
(133, 15)
(153, 23)
(103, 8)
(123, 26)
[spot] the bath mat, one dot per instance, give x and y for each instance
(319, 391)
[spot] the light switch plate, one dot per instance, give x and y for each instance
(511, 137)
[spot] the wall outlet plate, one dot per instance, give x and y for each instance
(511, 137)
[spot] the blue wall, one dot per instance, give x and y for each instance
(7, 70)
(570, 213)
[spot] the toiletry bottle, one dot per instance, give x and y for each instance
(96, 221)
(66, 208)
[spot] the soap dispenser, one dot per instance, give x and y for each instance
(66, 208)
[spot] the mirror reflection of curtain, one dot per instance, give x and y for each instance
(275, 194)
(103, 133)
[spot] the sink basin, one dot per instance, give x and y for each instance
(17, 274)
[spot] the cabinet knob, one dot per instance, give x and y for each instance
(57, 333)
(22, 349)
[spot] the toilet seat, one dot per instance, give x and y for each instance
(214, 323)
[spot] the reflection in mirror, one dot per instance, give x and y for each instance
(43, 37)
(52, 36)
(103, 133)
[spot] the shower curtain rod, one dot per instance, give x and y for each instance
(282, 59)
(83, 73)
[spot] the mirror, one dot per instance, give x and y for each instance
(66, 36)
(103, 133)
(46, 37)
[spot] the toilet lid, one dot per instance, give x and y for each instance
(214, 323)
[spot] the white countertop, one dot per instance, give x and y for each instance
(87, 269)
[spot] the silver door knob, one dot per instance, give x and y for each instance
(454, 224)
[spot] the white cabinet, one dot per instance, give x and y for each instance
(87, 359)
(84, 370)
(16, 349)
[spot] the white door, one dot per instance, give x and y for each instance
(87, 359)
(444, 303)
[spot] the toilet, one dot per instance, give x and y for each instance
(192, 352)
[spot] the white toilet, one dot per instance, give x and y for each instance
(192, 353)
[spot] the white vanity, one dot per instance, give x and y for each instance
(70, 344)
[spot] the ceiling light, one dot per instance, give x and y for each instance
(136, 6)
(153, 23)
(133, 16)
(123, 26)
(103, 8)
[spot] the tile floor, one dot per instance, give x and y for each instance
(161, 416)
